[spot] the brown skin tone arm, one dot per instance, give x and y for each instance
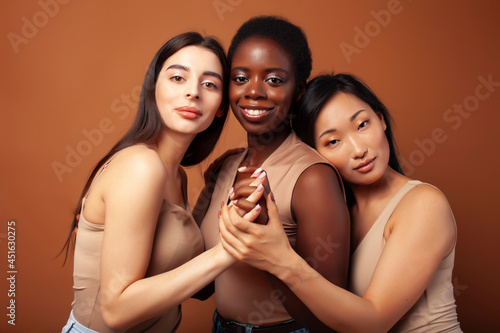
(322, 238)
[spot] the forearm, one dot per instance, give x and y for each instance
(334, 306)
(160, 293)
(296, 308)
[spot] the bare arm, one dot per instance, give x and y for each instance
(422, 235)
(322, 236)
(132, 203)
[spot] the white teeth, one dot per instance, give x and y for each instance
(255, 112)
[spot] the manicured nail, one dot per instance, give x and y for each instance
(260, 188)
(231, 192)
(256, 172)
(241, 169)
(257, 208)
(262, 175)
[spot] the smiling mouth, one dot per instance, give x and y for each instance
(255, 114)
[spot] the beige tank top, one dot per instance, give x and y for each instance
(177, 240)
(435, 311)
(243, 293)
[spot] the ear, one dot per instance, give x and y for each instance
(219, 113)
(382, 120)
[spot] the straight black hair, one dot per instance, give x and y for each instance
(323, 88)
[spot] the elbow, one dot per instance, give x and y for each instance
(112, 318)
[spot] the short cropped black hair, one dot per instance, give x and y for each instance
(289, 36)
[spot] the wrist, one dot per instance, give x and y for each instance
(294, 270)
(222, 256)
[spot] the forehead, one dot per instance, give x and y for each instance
(195, 58)
(261, 51)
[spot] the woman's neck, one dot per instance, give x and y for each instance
(261, 146)
(380, 191)
(171, 147)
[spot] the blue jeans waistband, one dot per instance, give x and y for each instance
(73, 326)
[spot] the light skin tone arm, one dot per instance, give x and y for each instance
(322, 236)
(132, 200)
(422, 233)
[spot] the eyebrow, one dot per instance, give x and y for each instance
(332, 130)
(272, 69)
(187, 69)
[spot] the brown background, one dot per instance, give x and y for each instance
(70, 70)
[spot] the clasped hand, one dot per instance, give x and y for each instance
(250, 226)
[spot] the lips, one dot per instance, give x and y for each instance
(254, 113)
(365, 166)
(188, 112)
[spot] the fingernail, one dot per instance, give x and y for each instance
(220, 213)
(231, 192)
(262, 175)
(260, 188)
(272, 196)
(256, 172)
(257, 208)
(241, 169)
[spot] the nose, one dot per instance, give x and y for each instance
(255, 89)
(359, 149)
(192, 91)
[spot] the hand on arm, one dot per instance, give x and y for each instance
(423, 233)
(323, 235)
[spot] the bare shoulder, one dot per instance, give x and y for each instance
(425, 199)
(318, 187)
(136, 165)
(425, 209)
(318, 176)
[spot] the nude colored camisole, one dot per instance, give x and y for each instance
(435, 311)
(243, 293)
(177, 240)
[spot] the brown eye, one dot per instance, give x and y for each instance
(363, 124)
(275, 80)
(176, 78)
(332, 142)
(240, 79)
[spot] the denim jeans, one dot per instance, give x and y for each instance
(218, 327)
(72, 326)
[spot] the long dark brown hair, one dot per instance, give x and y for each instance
(148, 122)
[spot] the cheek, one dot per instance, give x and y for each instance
(234, 93)
(335, 157)
(283, 97)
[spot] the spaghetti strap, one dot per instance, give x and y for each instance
(96, 178)
(99, 174)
